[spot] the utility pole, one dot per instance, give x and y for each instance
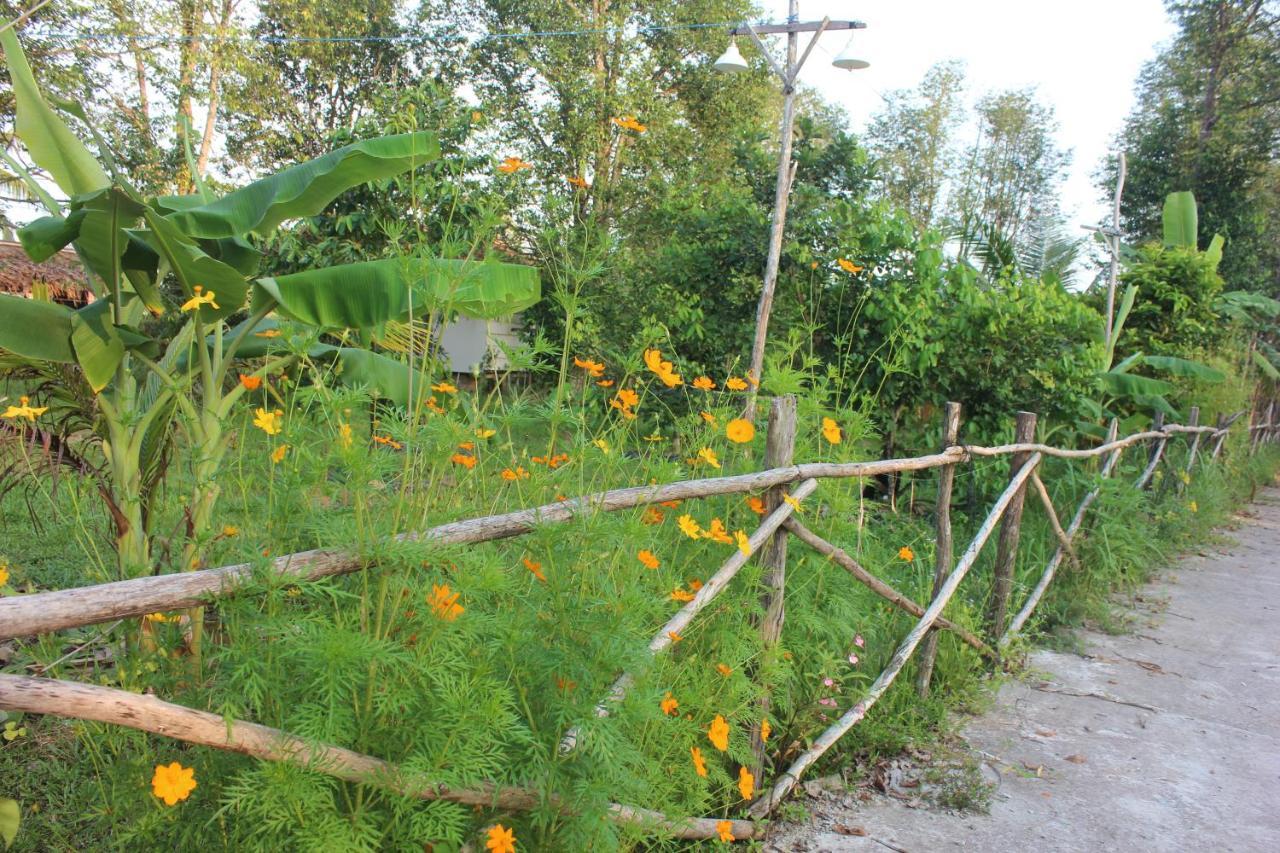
(787, 74)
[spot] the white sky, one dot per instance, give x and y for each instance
(1083, 56)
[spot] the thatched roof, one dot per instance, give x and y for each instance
(61, 277)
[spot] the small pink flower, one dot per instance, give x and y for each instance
(858, 641)
(827, 682)
(824, 717)
(828, 701)
(853, 659)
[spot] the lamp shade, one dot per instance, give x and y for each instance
(848, 60)
(731, 60)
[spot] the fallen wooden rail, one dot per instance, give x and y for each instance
(151, 714)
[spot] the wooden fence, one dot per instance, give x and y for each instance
(784, 485)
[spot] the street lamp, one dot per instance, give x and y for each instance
(732, 61)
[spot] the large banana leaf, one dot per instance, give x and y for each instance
(44, 237)
(97, 343)
(384, 377)
(1185, 367)
(36, 329)
(1129, 385)
(1180, 220)
(50, 142)
(301, 190)
(1264, 364)
(368, 294)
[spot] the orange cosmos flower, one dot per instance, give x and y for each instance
(464, 460)
(653, 515)
(739, 430)
(434, 406)
(724, 829)
(277, 455)
(765, 731)
(251, 383)
(905, 553)
(606, 383)
(756, 505)
(718, 734)
(173, 783)
(751, 377)
(724, 669)
(679, 594)
(267, 333)
(664, 370)
(388, 441)
(708, 456)
(536, 568)
(579, 182)
(669, 504)
(467, 445)
(746, 783)
(695, 584)
(513, 164)
(699, 766)
(733, 383)
(629, 123)
(668, 704)
(704, 383)
(708, 417)
(717, 533)
(675, 638)
(445, 388)
(444, 603)
(831, 431)
(689, 527)
(594, 368)
(849, 266)
(500, 839)
(647, 558)
(516, 474)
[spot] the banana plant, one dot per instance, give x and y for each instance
(194, 256)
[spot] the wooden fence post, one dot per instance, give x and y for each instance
(1193, 419)
(1010, 529)
(780, 446)
(1157, 450)
(942, 549)
(1223, 423)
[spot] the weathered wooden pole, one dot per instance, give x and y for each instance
(1193, 419)
(1221, 426)
(942, 555)
(1010, 529)
(780, 447)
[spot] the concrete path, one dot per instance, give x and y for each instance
(1164, 739)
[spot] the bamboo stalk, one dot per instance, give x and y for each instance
(837, 730)
(152, 714)
(943, 552)
(879, 587)
(1073, 528)
(704, 596)
(44, 612)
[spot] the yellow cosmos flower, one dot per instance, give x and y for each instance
(173, 782)
(1193, 506)
(445, 388)
(602, 444)
(201, 298)
(704, 383)
(664, 370)
(699, 766)
(708, 456)
(344, 435)
(629, 123)
(848, 266)
(718, 734)
(746, 783)
(24, 409)
(791, 502)
(765, 731)
(689, 527)
(268, 422)
(744, 544)
(739, 430)
(668, 704)
(500, 839)
(4, 575)
(230, 530)
(733, 383)
(481, 432)
(831, 431)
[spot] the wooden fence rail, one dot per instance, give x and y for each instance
(39, 613)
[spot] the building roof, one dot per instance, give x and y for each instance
(62, 277)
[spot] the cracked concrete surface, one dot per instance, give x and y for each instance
(1167, 738)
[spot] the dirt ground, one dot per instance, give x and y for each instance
(1167, 738)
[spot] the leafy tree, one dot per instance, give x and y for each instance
(1207, 119)
(1009, 177)
(911, 139)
